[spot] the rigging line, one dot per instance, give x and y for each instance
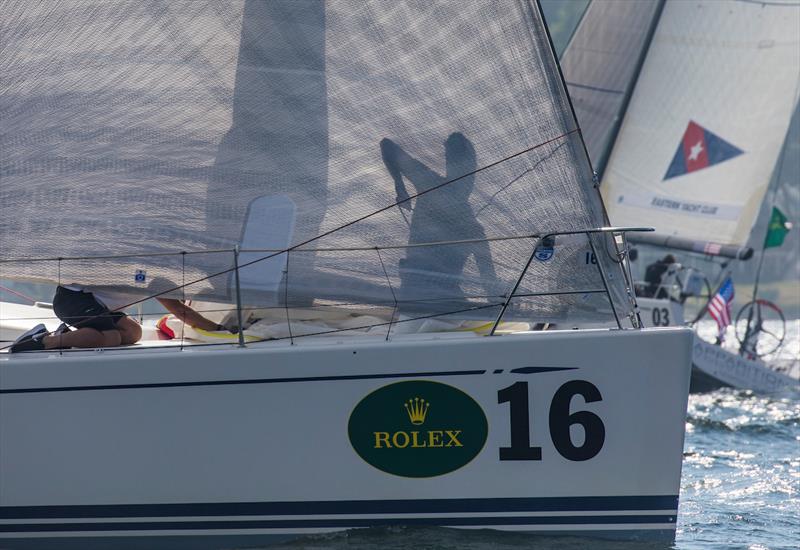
(400, 246)
(394, 297)
(772, 3)
(407, 199)
(506, 186)
(280, 338)
(405, 218)
(285, 303)
(359, 219)
(595, 88)
(116, 256)
(277, 251)
(15, 293)
(183, 294)
(512, 182)
(360, 306)
(371, 308)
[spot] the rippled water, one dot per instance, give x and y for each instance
(741, 472)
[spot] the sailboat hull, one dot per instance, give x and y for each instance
(549, 432)
(715, 367)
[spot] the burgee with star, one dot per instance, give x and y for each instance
(698, 149)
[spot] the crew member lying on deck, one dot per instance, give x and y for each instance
(97, 321)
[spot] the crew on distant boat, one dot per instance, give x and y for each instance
(654, 274)
(97, 321)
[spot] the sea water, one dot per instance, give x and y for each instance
(740, 487)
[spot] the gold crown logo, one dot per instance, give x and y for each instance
(417, 408)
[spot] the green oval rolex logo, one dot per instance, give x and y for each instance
(418, 429)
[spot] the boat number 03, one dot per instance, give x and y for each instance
(560, 421)
(660, 317)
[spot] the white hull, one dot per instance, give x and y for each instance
(736, 371)
(715, 366)
(261, 442)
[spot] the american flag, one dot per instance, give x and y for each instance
(720, 306)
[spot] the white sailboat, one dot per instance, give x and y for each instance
(244, 152)
(685, 107)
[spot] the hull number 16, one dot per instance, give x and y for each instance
(560, 421)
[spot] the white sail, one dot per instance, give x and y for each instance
(154, 127)
(707, 119)
(601, 63)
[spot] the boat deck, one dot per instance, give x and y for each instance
(15, 319)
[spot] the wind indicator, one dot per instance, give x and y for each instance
(779, 225)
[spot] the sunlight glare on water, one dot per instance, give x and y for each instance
(741, 472)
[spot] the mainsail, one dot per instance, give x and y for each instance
(707, 120)
(161, 135)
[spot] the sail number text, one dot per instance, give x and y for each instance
(560, 422)
(660, 317)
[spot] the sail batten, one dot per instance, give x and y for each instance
(155, 126)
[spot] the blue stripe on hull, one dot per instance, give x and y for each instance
(292, 380)
(549, 540)
(337, 507)
(239, 525)
(239, 382)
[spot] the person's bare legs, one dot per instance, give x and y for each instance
(83, 338)
(127, 332)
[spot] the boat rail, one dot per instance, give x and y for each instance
(618, 254)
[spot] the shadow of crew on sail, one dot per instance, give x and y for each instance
(277, 145)
(435, 273)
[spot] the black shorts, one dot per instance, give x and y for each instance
(80, 309)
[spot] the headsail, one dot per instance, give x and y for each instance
(157, 127)
(707, 120)
(601, 63)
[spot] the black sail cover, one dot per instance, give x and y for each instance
(133, 131)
